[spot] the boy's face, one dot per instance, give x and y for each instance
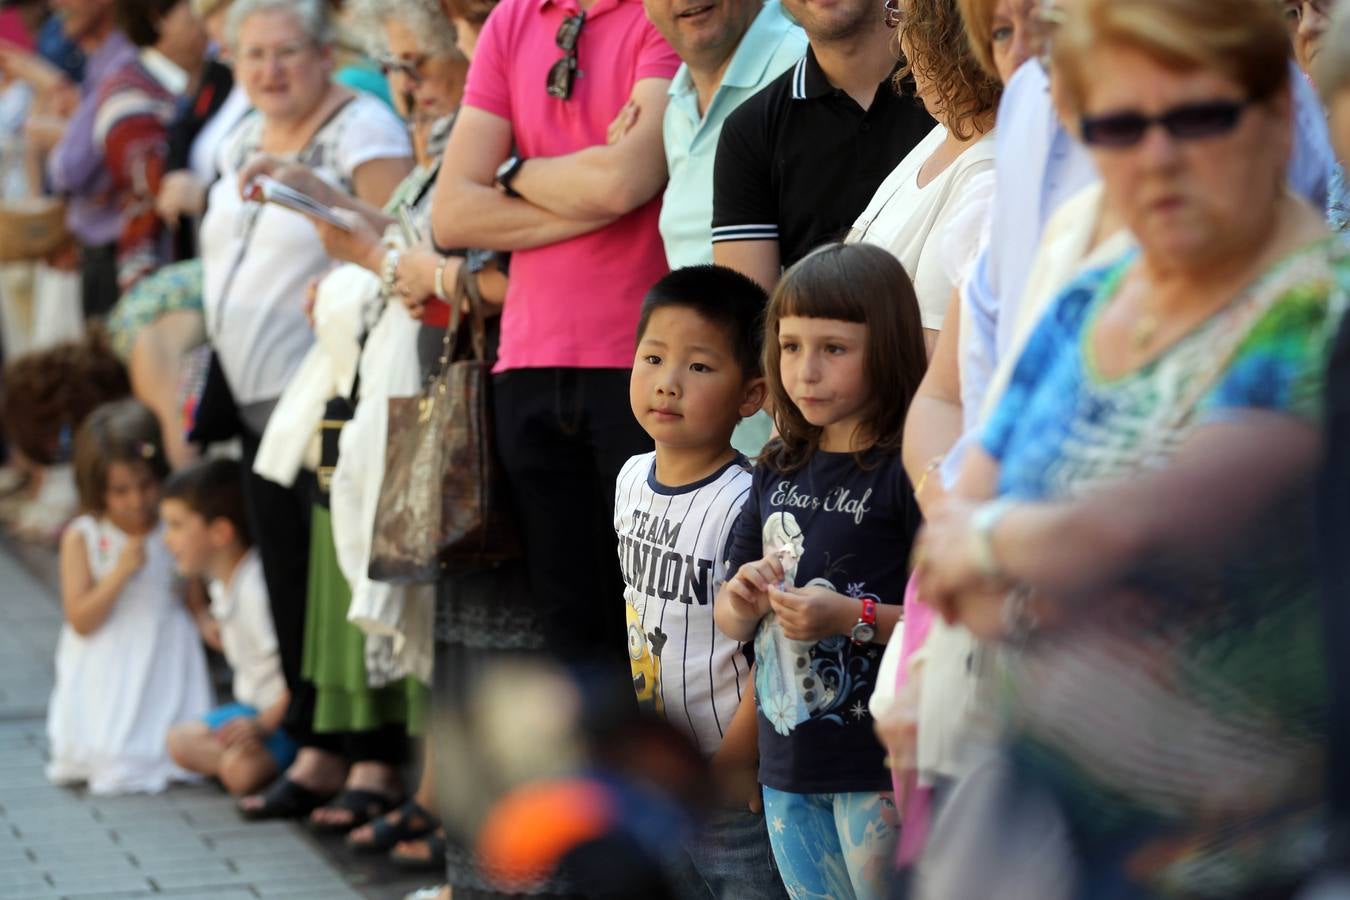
(188, 537)
(687, 389)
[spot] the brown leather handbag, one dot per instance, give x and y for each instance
(443, 499)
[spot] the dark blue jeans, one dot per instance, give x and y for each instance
(729, 858)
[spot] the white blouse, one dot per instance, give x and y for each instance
(257, 260)
(928, 227)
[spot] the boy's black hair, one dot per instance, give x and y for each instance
(725, 297)
(213, 489)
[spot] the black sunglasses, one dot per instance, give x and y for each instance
(563, 73)
(1193, 121)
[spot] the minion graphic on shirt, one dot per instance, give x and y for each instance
(644, 655)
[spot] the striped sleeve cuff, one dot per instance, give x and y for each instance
(729, 233)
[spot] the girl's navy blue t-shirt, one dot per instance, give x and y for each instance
(849, 527)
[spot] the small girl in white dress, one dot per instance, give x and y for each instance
(130, 662)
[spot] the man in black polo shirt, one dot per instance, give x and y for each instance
(798, 162)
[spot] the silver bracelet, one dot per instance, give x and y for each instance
(389, 273)
(982, 523)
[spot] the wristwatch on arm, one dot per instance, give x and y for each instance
(507, 172)
(865, 631)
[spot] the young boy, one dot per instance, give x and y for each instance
(696, 374)
(240, 743)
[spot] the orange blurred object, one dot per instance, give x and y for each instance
(533, 828)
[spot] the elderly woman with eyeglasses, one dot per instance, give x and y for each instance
(1133, 527)
(257, 261)
(416, 47)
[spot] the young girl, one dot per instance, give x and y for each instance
(820, 554)
(129, 663)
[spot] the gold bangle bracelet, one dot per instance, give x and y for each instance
(440, 280)
(933, 465)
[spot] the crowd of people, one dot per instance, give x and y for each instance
(698, 448)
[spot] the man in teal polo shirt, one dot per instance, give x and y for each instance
(729, 49)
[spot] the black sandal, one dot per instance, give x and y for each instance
(388, 833)
(363, 805)
(435, 859)
(285, 799)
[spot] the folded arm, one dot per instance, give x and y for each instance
(610, 180)
(469, 211)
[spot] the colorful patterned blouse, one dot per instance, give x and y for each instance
(1181, 721)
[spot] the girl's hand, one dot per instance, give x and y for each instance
(813, 612)
(748, 590)
(132, 557)
(360, 245)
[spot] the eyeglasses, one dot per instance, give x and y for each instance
(1191, 122)
(563, 73)
(1294, 9)
(286, 55)
(894, 14)
(408, 68)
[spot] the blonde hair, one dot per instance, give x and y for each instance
(978, 16)
(1244, 40)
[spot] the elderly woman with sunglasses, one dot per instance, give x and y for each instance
(1133, 525)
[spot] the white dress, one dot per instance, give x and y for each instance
(120, 689)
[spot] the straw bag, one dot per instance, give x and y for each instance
(443, 498)
(31, 228)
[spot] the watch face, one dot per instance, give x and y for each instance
(863, 633)
(505, 168)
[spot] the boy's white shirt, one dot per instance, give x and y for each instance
(676, 619)
(247, 634)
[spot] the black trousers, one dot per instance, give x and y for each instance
(562, 436)
(98, 280)
(1333, 497)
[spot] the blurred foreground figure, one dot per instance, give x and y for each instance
(1135, 528)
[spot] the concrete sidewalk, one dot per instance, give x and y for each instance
(187, 842)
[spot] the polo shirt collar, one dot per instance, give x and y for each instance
(758, 46)
(809, 81)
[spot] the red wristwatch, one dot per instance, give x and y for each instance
(866, 628)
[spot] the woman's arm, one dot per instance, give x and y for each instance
(88, 603)
(934, 423)
(1192, 512)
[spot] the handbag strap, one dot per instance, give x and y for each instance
(255, 215)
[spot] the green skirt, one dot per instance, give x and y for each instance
(334, 660)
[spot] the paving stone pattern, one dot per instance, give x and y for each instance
(185, 843)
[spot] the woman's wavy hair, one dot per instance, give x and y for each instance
(968, 93)
(853, 283)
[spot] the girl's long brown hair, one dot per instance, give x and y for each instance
(852, 283)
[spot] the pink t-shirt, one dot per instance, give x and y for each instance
(573, 304)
